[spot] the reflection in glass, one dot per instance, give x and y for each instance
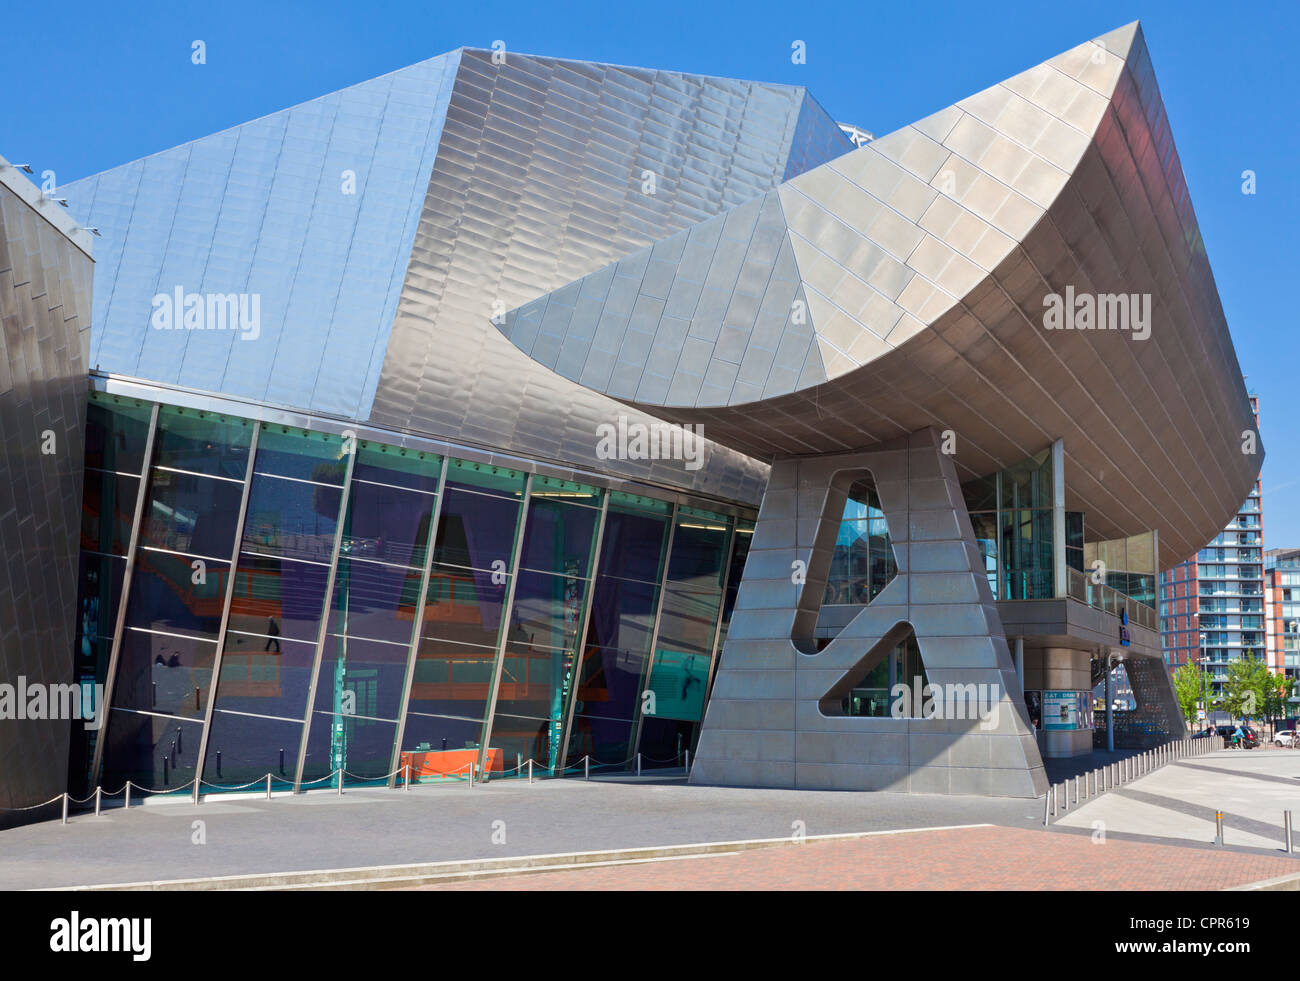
(290, 452)
(547, 610)
(243, 749)
(633, 546)
(622, 614)
(172, 593)
(374, 601)
(195, 515)
(117, 429)
(387, 524)
(202, 442)
(558, 536)
(361, 677)
(688, 620)
(107, 510)
(163, 673)
(699, 549)
(465, 605)
(278, 597)
(862, 564)
(154, 752)
(291, 518)
(363, 747)
(265, 675)
(383, 464)
(475, 530)
(452, 679)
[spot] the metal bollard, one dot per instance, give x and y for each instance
(97, 796)
(128, 795)
(1047, 808)
(586, 767)
(638, 764)
(340, 773)
(65, 807)
(1286, 827)
(1052, 794)
(530, 770)
(1218, 828)
(1076, 791)
(688, 762)
(268, 786)
(406, 777)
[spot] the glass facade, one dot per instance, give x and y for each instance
(1011, 513)
(863, 562)
(301, 604)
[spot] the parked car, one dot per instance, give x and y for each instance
(1285, 738)
(1250, 742)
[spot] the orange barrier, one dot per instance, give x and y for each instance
(447, 762)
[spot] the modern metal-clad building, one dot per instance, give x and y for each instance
(45, 280)
(394, 460)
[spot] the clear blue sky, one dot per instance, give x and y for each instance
(90, 85)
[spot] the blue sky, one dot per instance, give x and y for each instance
(89, 87)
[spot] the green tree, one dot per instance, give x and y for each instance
(1188, 686)
(1276, 693)
(1246, 689)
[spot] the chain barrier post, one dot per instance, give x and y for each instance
(268, 786)
(97, 799)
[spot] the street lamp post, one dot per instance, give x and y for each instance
(1205, 685)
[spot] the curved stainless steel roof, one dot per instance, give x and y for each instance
(904, 285)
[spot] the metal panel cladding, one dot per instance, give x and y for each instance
(306, 215)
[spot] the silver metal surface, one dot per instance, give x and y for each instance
(924, 259)
(539, 181)
(264, 208)
(476, 183)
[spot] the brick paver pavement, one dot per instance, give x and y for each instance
(973, 858)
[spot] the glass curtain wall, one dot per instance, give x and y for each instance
(863, 562)
(691, 604)
(615, 658)
(281, 574)
(163, 676)
(389, 610)
(1011, 514)
(117, 430)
